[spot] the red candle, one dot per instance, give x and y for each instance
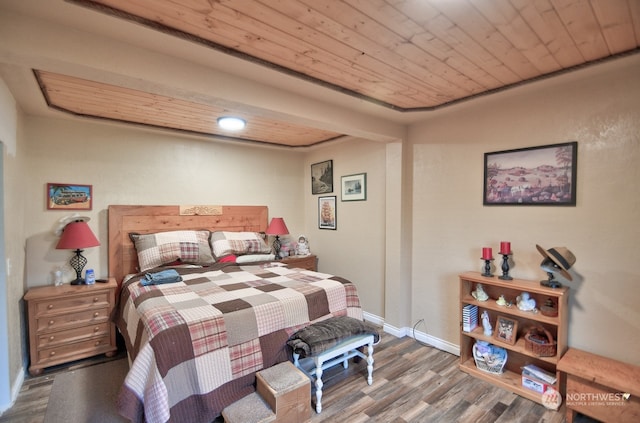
(486, 253)
(505, 248)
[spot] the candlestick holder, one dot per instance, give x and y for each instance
(505, 268)
(487, 267)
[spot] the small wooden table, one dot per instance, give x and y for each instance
(601, 388)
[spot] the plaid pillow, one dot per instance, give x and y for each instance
(238, 243)
(163, 248)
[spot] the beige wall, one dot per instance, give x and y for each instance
(598, 108)
(14, 174)
(130, 166)
(356, 249)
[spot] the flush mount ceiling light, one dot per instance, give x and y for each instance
(231, 123)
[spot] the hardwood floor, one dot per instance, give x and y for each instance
(411, 383)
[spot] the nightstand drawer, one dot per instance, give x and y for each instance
(309, 262)
(99, 299)
(73, 335)
(70, 320)
(62, 352)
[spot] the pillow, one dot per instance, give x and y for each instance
(163, 248)
(239, 243)
(252, 258)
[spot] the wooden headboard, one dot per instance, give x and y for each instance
(123, 220)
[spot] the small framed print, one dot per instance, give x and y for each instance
(354, 187)
(69, 197)
(322, 177)
(327, 212)
(506, 330)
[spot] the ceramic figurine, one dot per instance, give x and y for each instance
(302, 249)
(479, 293)
(501, 301)
(525, 303)
(486, 324)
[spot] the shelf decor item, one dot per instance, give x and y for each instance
(489, 358)
(487, 256)
(506, 330)
(540, 342)
(505, 251)
(549, 308)
(556, 259)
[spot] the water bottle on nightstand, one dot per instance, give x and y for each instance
(89, 277)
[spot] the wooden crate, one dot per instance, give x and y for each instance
(287, 390)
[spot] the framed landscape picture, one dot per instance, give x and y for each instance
(535, 176)
(354, 187)
(322, 177)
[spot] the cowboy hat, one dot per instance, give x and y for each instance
(561, 257)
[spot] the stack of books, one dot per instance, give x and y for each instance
(469, 317)
(537, 379)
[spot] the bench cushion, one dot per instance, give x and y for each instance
(323, 335)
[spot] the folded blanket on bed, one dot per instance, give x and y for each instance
(325, 334)
(163, 276)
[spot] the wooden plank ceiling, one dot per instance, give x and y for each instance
(406, 55)
(95, 99)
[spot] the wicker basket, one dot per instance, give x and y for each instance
(494, 368)
(539, 341)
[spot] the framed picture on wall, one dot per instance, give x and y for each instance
(327, 212)
(354, 187)
(322, 177)
(69, 196)
(535, 176)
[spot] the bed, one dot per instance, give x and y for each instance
(194, 346)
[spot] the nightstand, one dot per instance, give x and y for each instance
(70, 322)
(309, 262)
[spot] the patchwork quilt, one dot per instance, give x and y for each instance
(195, 345)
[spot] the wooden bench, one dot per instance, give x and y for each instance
(601, 388)
(340, 353)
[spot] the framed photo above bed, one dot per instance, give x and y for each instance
(535, 176)
(354, 187)
(327, 212)
(322, 177)
(69, 197)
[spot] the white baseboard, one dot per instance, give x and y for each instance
(438, 343)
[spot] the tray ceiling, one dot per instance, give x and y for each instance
(404, 55)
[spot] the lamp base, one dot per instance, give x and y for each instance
(77, 282)
(276, 247)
